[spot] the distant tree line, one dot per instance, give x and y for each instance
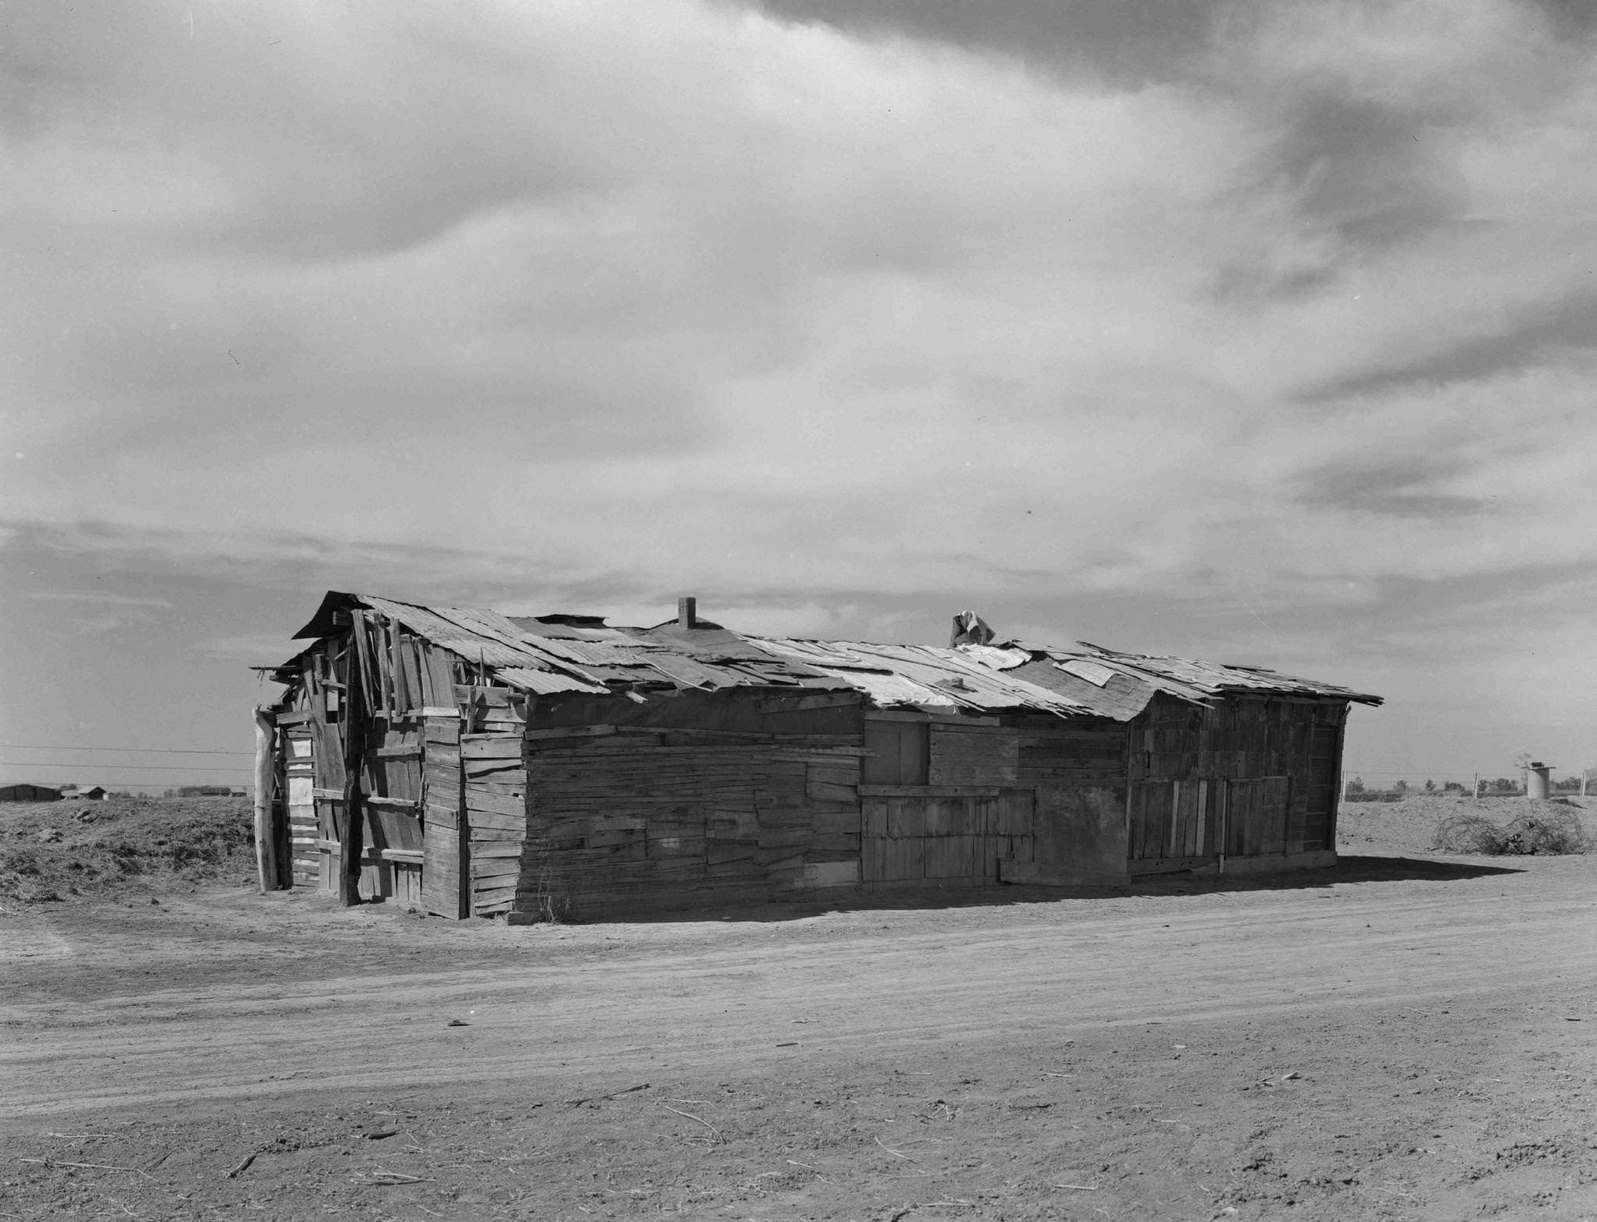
(1494, 787)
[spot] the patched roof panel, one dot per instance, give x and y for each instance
(580, 653)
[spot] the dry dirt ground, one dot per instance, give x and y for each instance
(1406, 1036)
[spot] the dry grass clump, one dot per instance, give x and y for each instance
(1542, 833)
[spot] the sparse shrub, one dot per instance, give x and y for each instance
(1544, 832)
(1468, 834)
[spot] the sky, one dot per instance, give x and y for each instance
(1248, 330)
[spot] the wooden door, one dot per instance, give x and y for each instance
(1256, 816)
(1177, 822)
(300, 782)
(1325, 746)
(444, 881)
(495, 778)
(393, 812)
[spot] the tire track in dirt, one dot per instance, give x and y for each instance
(706, 996)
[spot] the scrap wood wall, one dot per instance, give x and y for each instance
(416, 846)
(1027, 797)
(1076, 769)
(1249, 777)
(647, 807)
(494, 796)
(946, 836)
(942, 804)
(638, 807)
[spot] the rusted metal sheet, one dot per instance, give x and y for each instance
(690, 672)
(997, 657)
(623, 652)
(898, 675)
(1095, 673)
(545, 681)
(889, 691)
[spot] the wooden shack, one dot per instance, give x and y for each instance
(557, 767)
(23, 791)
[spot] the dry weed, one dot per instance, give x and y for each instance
(1542, 833)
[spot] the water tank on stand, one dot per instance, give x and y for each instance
(1538, 779)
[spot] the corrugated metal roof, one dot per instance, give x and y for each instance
(471, 634)
(483, 638)
(999, 657)
(596, 653)
(1095, 673)
(932, 675)
(895, 691)
(554, 654)
(690, 672)
(543, 682)
(1120, 698)
(1213, 679)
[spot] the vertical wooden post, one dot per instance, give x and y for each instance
(265, 833)
(352, 844)
(1223, 794)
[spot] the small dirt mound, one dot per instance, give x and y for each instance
(47, 854)
(1541, 833)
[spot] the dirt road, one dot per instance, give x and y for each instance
(1408, 1040)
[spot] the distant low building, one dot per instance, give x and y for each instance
(24, 792)
(89, 793)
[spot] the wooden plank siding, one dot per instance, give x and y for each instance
(444, 876)
(948, 817)
(1324, 779)
(945, 838)
(322, 705)
(973, 755)
(1251, 777)
(764, 799)
(299, 784)
(1076, 769)
(495, 796)
(623, 815)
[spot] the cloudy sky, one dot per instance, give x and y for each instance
(1261, 332)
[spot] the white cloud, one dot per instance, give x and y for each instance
(696, 296)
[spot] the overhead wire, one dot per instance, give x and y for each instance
(40, 766)
(129, 750)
